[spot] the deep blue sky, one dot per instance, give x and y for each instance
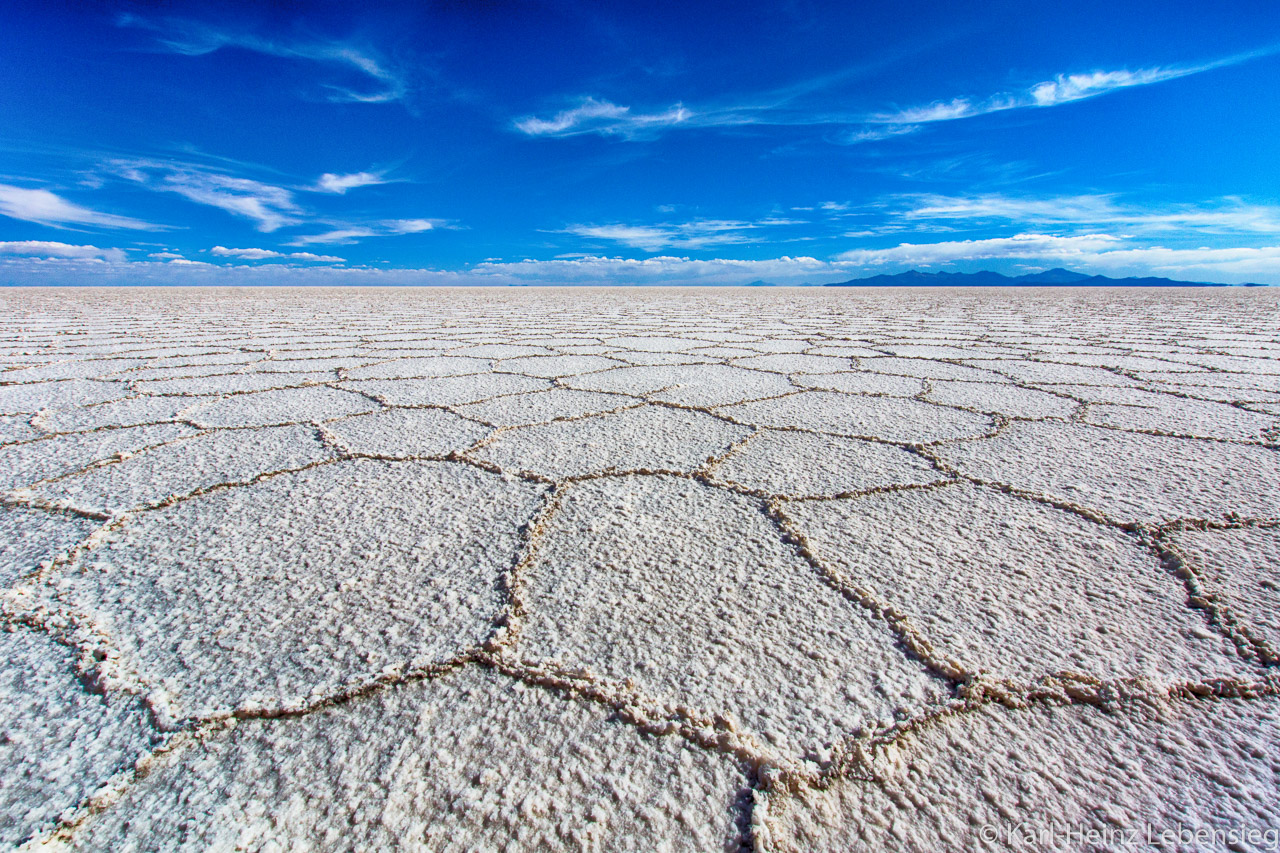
(490, 142)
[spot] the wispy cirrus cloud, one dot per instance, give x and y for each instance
(1061, 89)
(1017, 246)
(51, 249)
(695, 234)
(270, 207)
(383, 228)
(47, 208)
(602, 117)
(380, 82)
(270, 254)
(1225, 216)
(339, 184)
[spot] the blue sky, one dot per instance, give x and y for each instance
(559, 142)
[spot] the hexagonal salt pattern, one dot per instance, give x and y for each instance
(651, 438)
(1054, 778)
(888, 418)
(792, 568)
(691, 593)
(1016, 589)
(31, 537)
(471, 760)
(59, 742)
(293, 587)
(1126, 476)
(185, 466)
(1241, 568)
(801, 464)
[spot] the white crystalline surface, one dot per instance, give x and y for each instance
(58, 741)
(985, 779)
(471, 760)
(801, 464)
(652, 437)
(722, 569)
(627, 584)
(1240, 567)
(1017, 589)
(299, 584)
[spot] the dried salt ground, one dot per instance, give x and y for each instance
(668, 570)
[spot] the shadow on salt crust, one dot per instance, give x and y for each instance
(286, 590)
(690, 591)
(469, 761)
(1197, 764)
(1017, 589)
(1126, 476)
(59, 742)
(652, 438)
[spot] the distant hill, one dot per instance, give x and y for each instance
(1049, 278)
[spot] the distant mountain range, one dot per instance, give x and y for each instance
(1049, 278)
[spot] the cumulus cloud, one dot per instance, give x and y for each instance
(270, 207)
(269, 254)
(602, 117)
(194, 38)
(49, 249)
(339, 184)
(46, 208)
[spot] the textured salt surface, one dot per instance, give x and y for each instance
(985, 779)
(668, 570)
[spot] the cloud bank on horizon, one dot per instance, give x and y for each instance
(572, 143)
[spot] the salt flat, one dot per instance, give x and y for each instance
(652, 569)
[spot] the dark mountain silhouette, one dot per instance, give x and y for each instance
(1049, 278)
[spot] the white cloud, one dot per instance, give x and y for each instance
(683, 235)
(1105, 254)
(695, 234)
(1226, 216)
(271, 207)
(49, 249)
(269, 254)
(1018, 246)
(411, 226)
(193, 38)
(383, 228)
(333, 183)
(602, 117)
(1062, 89)
(46, 208)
